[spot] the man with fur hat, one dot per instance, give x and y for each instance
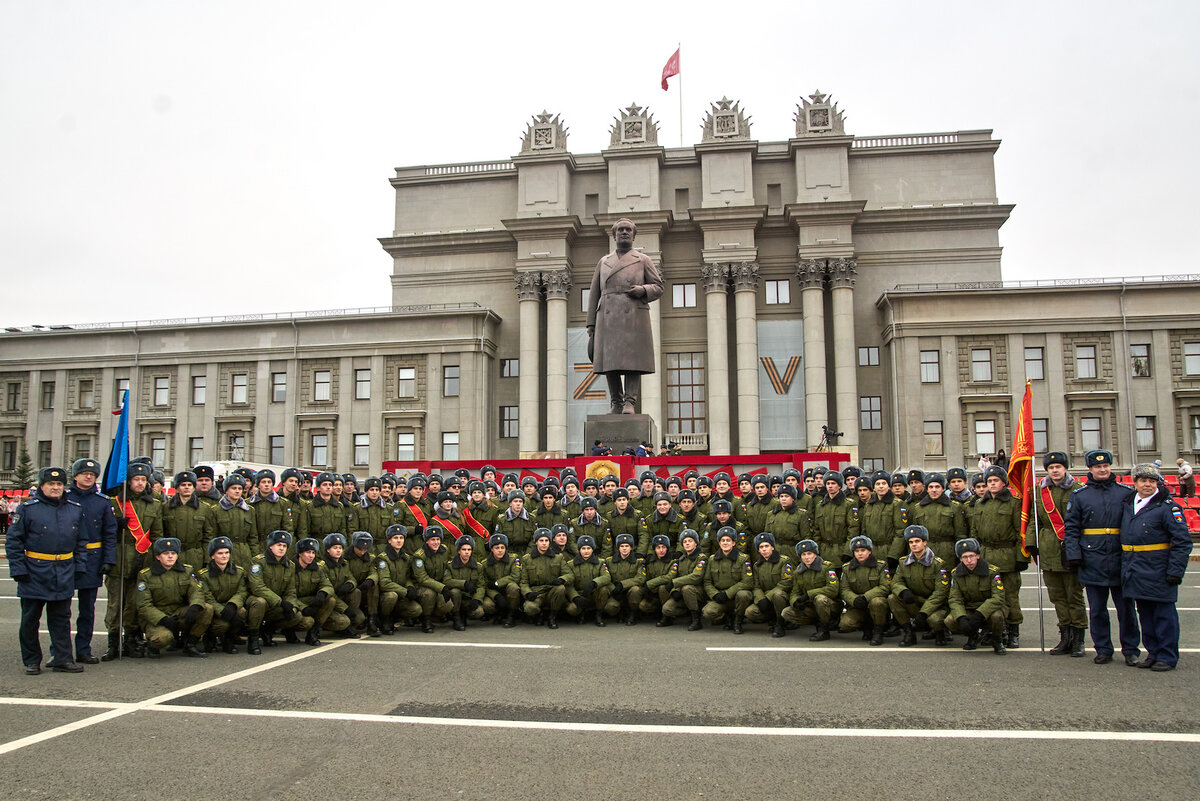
(997, 526)
(865, 585)
(1051, 499)
(170, 601)
(977, 597)
(816, 595)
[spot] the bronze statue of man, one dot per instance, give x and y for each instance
(620, 342)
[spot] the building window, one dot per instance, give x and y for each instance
(872, 465)
(199, 389)
(683, 296)
(778, 292)
(162, 390)
(362, 387)
(1191, 358)
(1089, 433)
(406, 446)
(275, 443)
(158, 452)
(1034, 368)
(585, 295)
(122, 388)
(47, 395)
(240, 393)
(985, 436)
(868, 357)
(981, 364)
(450, 381)
(43, 453)
(510, 368)
(934, 445)
(1145, 433)
(449, 444)
(320, 450)
(1041, 435)
(686, 406)
(870, 413)
(8, 454)
(237, 445)
(83, 447)
(682, 201)
(87, 393)
(406, 382)
(362, 449)
(195, 451)
(321, 386)
(12, 397)
(278, 387)
(1085, 361)
(508, 422)
(1139, 361)
(931, 368)
(1195, 426)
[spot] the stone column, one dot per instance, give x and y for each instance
(558, 287)
(842, 273)
(716, 278)
(811, 277)
(652, 383)
(529, 290)
(745, 310)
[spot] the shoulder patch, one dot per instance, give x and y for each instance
(420, 563)
(141, 585)
(1177, 513)
(699, 564)
(255, 568)
(998, 581)
(517, 561)
(382, 565)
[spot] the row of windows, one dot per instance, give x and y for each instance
(1085, 362)
(683, 296)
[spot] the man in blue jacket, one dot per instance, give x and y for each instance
(100, 527)
(45, 546)
(1155, 546)
(1093, 546)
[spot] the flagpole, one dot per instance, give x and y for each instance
(1036, 540)
(679, 49)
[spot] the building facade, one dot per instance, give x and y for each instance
(822, 280)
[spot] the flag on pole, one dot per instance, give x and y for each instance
(671, 68)
(118, 458)
(1020, 465)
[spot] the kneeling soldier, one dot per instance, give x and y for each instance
(727, 582)
(464, 577)
(273, 578)
(399, 598)
(589, 583)
(865, 588)
(920, 590)
(687, 581)
(502, 582)
(314, 592)
(170, 601)
(361, 560)
(349, 599)
(977, 597)
(227, 593)
(543, 581)
(771, 584)
(628, 575)
(656, 568)
(816, 596)
(431, 562)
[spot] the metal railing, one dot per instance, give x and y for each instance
(689, 442)
(906, 140)
(1181, 278)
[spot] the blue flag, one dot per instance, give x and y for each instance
(118, 458)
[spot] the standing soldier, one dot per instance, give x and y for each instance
(209, 495)
(977, 597)
(624, 519)
(549, 512)
(722, 517)
(289, 491)
(543, 582)
(515, 523)
(958, 489)
(271, 512)
(170, 601)
(588, 583)
(100, 557)
(883, 517)
(146, 524)
(790, 522)
(835, 521)
(723, 490)
(689, 516)
(314, 593)
(920, 589)
(628, 576)
(727, 583)
(326, 515)
(916, 486)
(399, 598)
(233, 518)
(663, 520)
(760, 504)
(815, 597)
(943, 518)
(502, 582)
(900, 487)
(414, 513)
(273, 578)
(590, 523)
(373, 514)
(185, 519)
(478, 508)
(227, 593)
(999, 532)
(865, 586)
(571, 497)
(771, 585)
(1062, 585)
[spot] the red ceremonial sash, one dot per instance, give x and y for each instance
(417, 513)
(1060, 528)
(446, 524)
(475, 525)
(141, 540)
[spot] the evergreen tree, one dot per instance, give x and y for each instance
(23, 475)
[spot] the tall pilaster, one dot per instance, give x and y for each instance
(810, 275)
(529, 286)
(745, 302)
(716, 280)
(558, 287)
(842, 273)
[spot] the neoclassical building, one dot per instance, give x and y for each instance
(825, 279)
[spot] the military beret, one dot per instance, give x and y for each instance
(264, 473)
(513, 477)
(964, 545)
(686, 534)
(464, 542)
(85, 466)
(1099, 456)
(164, 544)
(996, 471)
(861, 541)
(935, 478)
(1055, 457)
(432, 531)
(620, 492)
(547, 490)
(881, 475)
(765, 536)
(445, 495)
(497, 539)
(516, 495)
(851, 470)
(323, 477)
(807, 546)
(676, 480)
(306, 544)
(665, 541)
(204, 471)
(704, 481)
(539, 533)
(759, 479)
(686, 495)
(624, 539)
(916, 531)
(788, 490)
(956, 472)
(722, 476)
(217, 543)
(559, 528)
(977, 478)
(373, 483)
(585, 539)
(277, 536)
(395, 530)
(835, 477)
(135, 469)
(727, 531)
(184, 477)
(722, 505)
(588, 503)
(332, 540)
(916, 475)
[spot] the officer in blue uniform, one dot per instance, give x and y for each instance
(1093, 546)
(46, 544)
(1155, 546)
(100, 526)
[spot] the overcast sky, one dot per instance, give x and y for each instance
(169, 159)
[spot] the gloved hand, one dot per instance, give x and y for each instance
(531, 596)
(309, 611)
(1022, 566)
(345, 588)
(469, 587)
(320, 597)
(585, 592)
(229, 612)
(577, 600)
(720, 597)
(446, 592)
(558, 582)
(366, 584)
(677, 595)
(893, 563)
(618, 590)
(802, 600)
(860, 602)
(121, 520)
(1032, 549)
(287, 608)
(1072, 564)
(21, 579)
(908, 596)
(192, 615)
(139, 561)
(471, 604)
(590, 585)
(920, 621)
(493, 585)
(764, 606)
(412, 593)
(169, 622)
(1174, 581)
(106, 569)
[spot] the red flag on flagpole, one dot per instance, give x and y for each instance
(1020, 465)
(671, 68)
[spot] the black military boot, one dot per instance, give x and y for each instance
(459, 622)
(267, 635)
(313, 636)
(253, 647)
(696, 623)
(228, 645)
(210, 642)
(114, 648)
(551, 620)
(426, 624)
(1065, 635)
(908, 637)
(600, 618)
(631, 619)
(876, 635)
(777, 627)
(1014, 636)
(998, 647)
(893, 629)
(510, 619)
(372, 626)
(133, 647)
(290, 636)
(972, 640)
(1077, 641)
(941, 638)
(728, 622)
(985, 638)
(387, 625)
(663, 621)
(820, 633)
(189, 647)
(737, 624)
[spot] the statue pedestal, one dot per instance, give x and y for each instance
(618, 431)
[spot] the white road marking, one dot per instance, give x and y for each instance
(865, 649)
(455, 644)
(64, 702)
(17, 598)
(117, 712)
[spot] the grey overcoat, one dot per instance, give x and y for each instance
(623, 339)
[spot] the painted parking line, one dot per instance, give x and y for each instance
(17, 598)
(865, 649)
(531, 646)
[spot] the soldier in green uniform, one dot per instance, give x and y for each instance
(589, 584)
(399, 598)
(727, 583)
(373, 514)
(502, 582)
(790, 522)
(883, 517)
(478, 508)
(271, 511)
(977, 597)
(956, 486)
(121, 582)
(999, 532)
(543, 581)
(624, 519)
(689, 515)
(815, 597)
(361, 561)
(204, 485)
(233, 518)
(978, 490)
(643, 506)
(656, 568)
(865, 586)
(900, 487)
(289, 490)
(687, 581)
(760, 504)
(273, 578)
(183, 518)
(722, 518)
(345, 587)
(548, 511)
(560, 540)
(227, 593)
(704, 496)
(608, 486)
(771, 584)
(835, 521)
(590, 523)
(920, 590)
(1062, 585)
(414, 512)
(515, 523)
(170, 601)
(945, 519)
(723, 490)
(314, 593)
(628, 576)
(429, 568)
(916, 486)
(464, 577)
(663, 520)
(326, 515)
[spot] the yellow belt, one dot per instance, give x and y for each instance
(50, 557)
(94, 545)
(1095, 531)
(1158, 546)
